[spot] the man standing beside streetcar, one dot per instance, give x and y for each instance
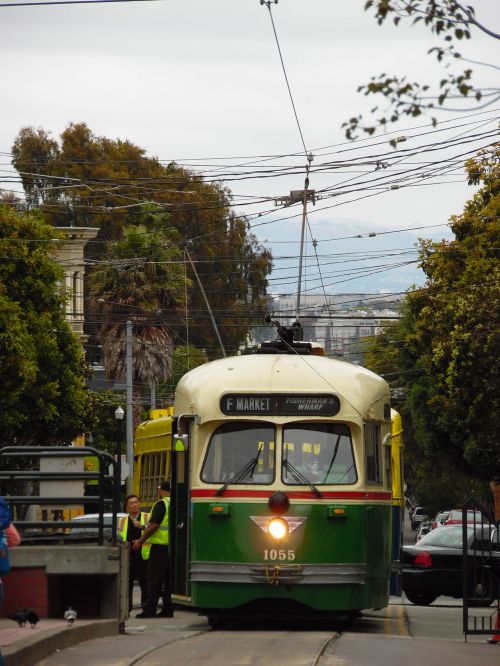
(131, 528)
(156, 535)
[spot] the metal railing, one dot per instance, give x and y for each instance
(105, 460)
(480, 570)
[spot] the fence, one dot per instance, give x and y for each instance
(105, 461)
(480, 570)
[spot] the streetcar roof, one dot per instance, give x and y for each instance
(362, 393)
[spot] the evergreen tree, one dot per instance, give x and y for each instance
(86, 180)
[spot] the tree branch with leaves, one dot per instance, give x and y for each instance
(452, 22)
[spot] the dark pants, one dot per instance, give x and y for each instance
(158, 578)
(138, 571)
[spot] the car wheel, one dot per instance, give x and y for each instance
(421, 598)
(480, 596)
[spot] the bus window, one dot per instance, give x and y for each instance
(329, 461)
(234, 445)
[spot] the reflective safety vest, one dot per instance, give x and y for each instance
(123, 529)
(161, 535)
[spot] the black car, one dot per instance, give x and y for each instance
(433, 566)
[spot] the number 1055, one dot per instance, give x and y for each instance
(279, 554)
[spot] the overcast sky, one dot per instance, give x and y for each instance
(198, 79)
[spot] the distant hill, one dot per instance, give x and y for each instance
(385, 261)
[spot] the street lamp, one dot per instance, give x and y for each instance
(119, 414)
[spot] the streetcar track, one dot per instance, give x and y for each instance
(146, 653)
(326, 650)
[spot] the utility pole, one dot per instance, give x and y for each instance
(295, 196)
(130, 412)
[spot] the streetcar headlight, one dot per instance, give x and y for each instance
(277, 528)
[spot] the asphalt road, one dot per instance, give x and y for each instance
(399, 635)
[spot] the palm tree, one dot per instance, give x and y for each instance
(141, 279)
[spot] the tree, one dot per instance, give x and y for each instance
(446, 345)
(142, 279)
(450, 20)
(186, 358)
(43, 398)
(86, 180)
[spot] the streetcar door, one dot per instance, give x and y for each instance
(179, 531)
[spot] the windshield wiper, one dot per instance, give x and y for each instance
(298, 476)
(248, 468)
(335, 451)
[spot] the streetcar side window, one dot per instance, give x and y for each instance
(321, 453)
(373, 446)
(240, 451)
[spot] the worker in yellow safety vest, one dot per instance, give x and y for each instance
(156, 535)
(131, 528)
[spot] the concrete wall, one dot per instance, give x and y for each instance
(49, 578)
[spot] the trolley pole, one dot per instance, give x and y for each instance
(200, 285)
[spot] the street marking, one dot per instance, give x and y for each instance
(400, 621)
(394, 622)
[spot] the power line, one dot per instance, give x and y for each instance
(65, 2)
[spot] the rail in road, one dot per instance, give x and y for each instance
(399, 634)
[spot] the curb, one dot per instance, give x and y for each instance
(32, 649)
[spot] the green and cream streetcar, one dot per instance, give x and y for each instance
(281, 485)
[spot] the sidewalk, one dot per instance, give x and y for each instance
(24, 646)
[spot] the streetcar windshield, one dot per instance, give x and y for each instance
(321, 452)
(233, 446)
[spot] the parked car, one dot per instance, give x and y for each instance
(87, 531)
(425, 528)
(455, 517)
(418, 516)
(433, 566)
(439, 519)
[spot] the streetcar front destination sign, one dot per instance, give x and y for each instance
(280, 404)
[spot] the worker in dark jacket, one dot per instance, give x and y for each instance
(156, 535)
(131, 528)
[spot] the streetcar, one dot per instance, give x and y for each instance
(152, 455)
(280, 467)
(398, 499)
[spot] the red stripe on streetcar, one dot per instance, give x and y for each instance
(359, 494)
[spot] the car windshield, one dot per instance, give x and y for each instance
(321, 452)
(232, 446)
(451, 537)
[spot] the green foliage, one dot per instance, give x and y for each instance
(87, 180)
(438, 485)
(450, 21)
(444, 350)
(106, 431)
(43, 399)
(186, 358)
(143, 280)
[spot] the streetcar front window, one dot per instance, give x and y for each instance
(321, 452)
(241, 450)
